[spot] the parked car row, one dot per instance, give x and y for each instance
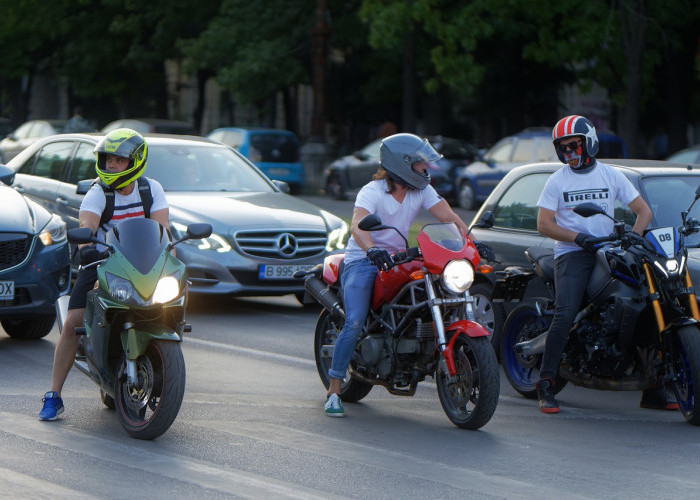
(464, 174)
(261, 235)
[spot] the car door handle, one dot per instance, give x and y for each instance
(62, 201)
(19, 189)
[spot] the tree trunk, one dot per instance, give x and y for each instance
(634, 24)
(408, 119)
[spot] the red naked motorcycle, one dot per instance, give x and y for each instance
(420, 324)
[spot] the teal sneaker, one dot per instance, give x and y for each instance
(334, 407)
(53, 406)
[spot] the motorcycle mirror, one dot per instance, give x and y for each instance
(198, 231)
(588, 209)
(7, 175)
(82, 235)
(371, 222)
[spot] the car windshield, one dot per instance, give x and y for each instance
(205, 167)
(668, 196)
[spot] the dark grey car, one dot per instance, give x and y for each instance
(261, 235)
(668, 188)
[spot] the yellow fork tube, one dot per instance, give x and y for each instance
(692, 301)
(660, 323)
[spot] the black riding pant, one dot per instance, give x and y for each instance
(571, 273)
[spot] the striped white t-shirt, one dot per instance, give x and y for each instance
(125, 206)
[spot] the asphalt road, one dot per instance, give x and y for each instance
(252, 426)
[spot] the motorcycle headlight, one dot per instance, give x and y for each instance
(336, 238)
(54, 232)
(458, 276)
(166, 290)
(214, 242)
(122, 290)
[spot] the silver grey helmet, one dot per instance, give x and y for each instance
(399, 152)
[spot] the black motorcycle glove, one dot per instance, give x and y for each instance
(88, 255)
(585, 241)
(380, 258)
(485, 251)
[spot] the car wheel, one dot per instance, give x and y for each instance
(334, 187)
(465, 196)
(29, 328)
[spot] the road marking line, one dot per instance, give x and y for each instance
(134, 454)
(249, 350)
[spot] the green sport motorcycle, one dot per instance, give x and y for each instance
(134, 323)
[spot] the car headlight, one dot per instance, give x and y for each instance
(123, 290)
(214, 242)
(336, 238)
(458, 276)
(54, 232)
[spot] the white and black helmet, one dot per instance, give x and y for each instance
(399, 152)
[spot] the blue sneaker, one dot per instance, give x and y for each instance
(53, 406)
(334, 407)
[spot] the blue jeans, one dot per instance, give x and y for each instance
(358, 283)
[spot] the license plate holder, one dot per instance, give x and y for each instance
(281, 271)
(7, 290)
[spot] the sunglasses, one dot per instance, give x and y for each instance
(572, 146)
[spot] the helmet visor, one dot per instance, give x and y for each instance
(427, 153)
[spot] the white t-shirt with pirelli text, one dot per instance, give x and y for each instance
(374, 198)
(565, 189)
(125, 206)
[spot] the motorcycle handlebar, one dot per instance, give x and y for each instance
(406, 256)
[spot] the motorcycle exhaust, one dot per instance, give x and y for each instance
(318, 289)
(62, 310)
(530, 347)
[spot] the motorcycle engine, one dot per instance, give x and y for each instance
(593, 348)
(373, 357)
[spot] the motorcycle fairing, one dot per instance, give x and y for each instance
(141, 241)
(388, 283)
(664, 240)
(441, 243)
(135, 341)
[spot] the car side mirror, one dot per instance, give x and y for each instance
(487, 220)
(84, 186)
(7, 175)
(281, 185)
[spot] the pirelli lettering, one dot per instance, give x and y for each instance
(586, 195)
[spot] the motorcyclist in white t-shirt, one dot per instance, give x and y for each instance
(398, 192)
(121, 159)
(582, 178)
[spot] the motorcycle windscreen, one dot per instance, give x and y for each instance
(140, 241)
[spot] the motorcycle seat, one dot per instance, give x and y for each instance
(543, 261)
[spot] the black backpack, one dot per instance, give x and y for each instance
(144, 192)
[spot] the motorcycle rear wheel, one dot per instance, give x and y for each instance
(523, 372)
(685, 355)
(327, 330)
(469, 399)
(147, 409)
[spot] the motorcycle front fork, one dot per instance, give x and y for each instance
(435, 303)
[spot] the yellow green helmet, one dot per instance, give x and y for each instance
(126, 143)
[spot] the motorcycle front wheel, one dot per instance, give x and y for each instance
(148, 408)
(327, 330)
(685, 356)
(469, 398)
(523, 371)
